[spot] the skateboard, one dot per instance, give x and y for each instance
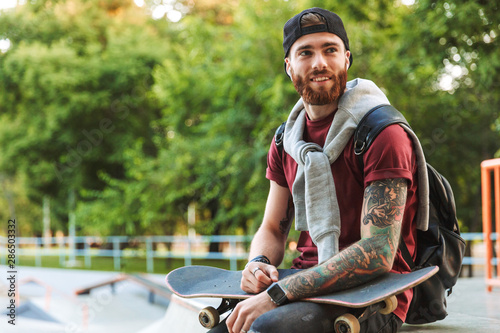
(380, 294)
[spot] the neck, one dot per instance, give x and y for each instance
(318, 112)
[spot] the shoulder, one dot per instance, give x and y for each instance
(391, 155)
(393, 136)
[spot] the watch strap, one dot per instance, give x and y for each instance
(261, 258)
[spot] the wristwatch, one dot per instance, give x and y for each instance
(277, 294)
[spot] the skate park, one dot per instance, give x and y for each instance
(72, 300)
(134, 136)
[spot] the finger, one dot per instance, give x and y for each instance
(262, 278)
(230, 321)
(238, 320)
(249, 283)
(272, 272)
(255, 278)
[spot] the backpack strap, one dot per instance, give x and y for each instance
(278, 137)
(406, 254)
(367, 130)
(372, 123)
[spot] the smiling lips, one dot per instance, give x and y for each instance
(320, 79)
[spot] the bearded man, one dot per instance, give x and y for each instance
(351, 217)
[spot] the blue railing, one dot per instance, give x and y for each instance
(477, 236)
(178, 247)
(234, 248)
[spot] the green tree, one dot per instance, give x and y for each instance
(144, 118)
(74, 94)
(219, 91)
(438, 64)
(447, 72)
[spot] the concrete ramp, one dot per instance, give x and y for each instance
(182, 316)
(31, 310)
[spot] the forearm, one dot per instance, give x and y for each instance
(267, 244)
(270, 239)
(355, 265)
(371, 256)
(271, 242)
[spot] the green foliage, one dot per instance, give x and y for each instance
(447, 85)
(146, 117)
(74, 96)
(221, 95)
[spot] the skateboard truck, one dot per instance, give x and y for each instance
(209, 317)
(348, 323)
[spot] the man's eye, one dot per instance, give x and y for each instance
(305, 53)
(331, 50)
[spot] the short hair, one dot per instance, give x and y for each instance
(312, 19)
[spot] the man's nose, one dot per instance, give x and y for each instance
(319, 62)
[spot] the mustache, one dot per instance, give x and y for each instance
(322, 72)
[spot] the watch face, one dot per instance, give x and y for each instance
(277, 294)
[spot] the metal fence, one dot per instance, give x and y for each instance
(233, 248)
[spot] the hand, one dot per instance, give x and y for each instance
(245, 313)
(257, 277)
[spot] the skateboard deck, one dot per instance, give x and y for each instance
(376, 295)
(201, 281)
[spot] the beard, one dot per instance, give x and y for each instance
(323, 96)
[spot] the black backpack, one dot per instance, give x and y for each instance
(441, 245)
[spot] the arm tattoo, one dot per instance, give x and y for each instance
(286, 222)
(349, 268)
(384, 202)
(381, 216)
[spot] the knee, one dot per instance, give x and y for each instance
(267, 323)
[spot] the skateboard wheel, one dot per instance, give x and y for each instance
(347, 323)
(209, 317)
(391, 304)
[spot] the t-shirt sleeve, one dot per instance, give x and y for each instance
(275, 171)
(391, 155)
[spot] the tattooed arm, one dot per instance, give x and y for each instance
(381, 217)
(270, 240)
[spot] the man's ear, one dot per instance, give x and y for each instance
(348, 56)
(287, 68)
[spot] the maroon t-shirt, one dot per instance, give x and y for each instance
(391, 155)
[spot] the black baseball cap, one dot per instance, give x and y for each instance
(293, 31)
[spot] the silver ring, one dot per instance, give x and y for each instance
(243, 331)
(254, 271)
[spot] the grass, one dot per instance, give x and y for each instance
(127, 265)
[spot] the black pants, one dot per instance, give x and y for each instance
(306, 317)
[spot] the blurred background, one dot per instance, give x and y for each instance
(133, 132)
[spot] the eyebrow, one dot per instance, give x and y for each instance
(327, 44)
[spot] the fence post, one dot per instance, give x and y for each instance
(88, 263)
(62, 255)
(233, 262)
(72, 226)
(38, 254)
(187, 257)
(491, 200)
(116, 253)
(149, 255)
